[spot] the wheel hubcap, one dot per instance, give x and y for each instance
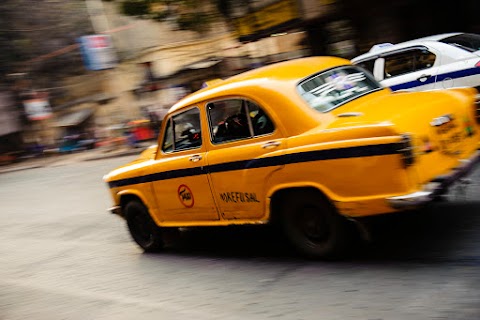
(314, 225)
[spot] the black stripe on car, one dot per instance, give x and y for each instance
(307, 156)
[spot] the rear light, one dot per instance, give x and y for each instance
(406, 149)
(477, 64)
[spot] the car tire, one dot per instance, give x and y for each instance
(313, 226)
(142, 228)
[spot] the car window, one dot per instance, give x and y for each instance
(236, 119)
(466, 41)
(330, 89)
(423, 59)
(367, 65)
(167, 145)
(183, 131)
(408, 61)
(261, 123)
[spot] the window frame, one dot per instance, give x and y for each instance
(411, 50)
(366, 61)
(463, 37)
(247, 111)
(170, 121)
(368, 75)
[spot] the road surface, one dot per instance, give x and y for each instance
(64, 257)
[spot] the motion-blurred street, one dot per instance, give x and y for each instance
(65, 257)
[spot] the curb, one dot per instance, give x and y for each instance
(54, 160)
(13, 169)
(116, 155)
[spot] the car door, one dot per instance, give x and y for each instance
(244, 150)
(460, 65)
(181, 184)
(409, 69)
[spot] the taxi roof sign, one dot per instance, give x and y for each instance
(380, 46)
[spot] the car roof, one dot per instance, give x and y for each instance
(282, 72)
(383, 48)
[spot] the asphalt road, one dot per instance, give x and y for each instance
(64, 257)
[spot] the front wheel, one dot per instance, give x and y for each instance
(142, 227)
(314, 227)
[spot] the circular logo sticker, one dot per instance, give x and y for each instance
(185, 196)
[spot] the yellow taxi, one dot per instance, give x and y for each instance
(311, 144)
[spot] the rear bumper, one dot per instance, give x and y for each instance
(436, 187)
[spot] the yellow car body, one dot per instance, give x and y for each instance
(332, 133)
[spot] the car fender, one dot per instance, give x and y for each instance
(151, 205)
(329, 194)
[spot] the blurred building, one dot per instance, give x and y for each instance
(158, 63)
(349, 27)
(400, 20)
(10, 127)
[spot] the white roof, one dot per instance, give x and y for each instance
(437, 37)
(376, 50)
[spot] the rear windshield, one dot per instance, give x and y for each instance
(466, 41)
(330, 89)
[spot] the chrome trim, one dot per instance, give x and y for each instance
(436, 187)
(115, 210)
(410, 200)
(407, 150)
(350, 114)
(195, 158)
(271, 144)
(440, 121)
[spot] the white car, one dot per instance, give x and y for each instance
(437, 62)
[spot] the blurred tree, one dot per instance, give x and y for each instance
(30, 30)
(226, 7)
(135, 7)
(193, 15)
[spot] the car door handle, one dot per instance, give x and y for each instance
(195, 158)
(271, 144)
(424, 77)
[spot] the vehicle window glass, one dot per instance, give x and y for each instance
(261, 123)
(409, 61)
(423, 59)
(167, 145)
(186, 131)
(399, 63)
(466, 41)
(367, 65)
(330, 89)
(230, 120)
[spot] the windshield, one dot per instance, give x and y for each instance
(330, 89)
(466, 41)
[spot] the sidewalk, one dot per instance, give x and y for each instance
(63, 159)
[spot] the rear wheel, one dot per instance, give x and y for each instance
(313, 226)
(142, 227)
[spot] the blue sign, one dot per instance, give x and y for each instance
(98, 52)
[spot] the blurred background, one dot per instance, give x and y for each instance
(82, 74)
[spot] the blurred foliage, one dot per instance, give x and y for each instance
(27, 34)
(135, 7)
(225, 7)
(161, 16)
(193, 15)
(30, 35)
(198, 21)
